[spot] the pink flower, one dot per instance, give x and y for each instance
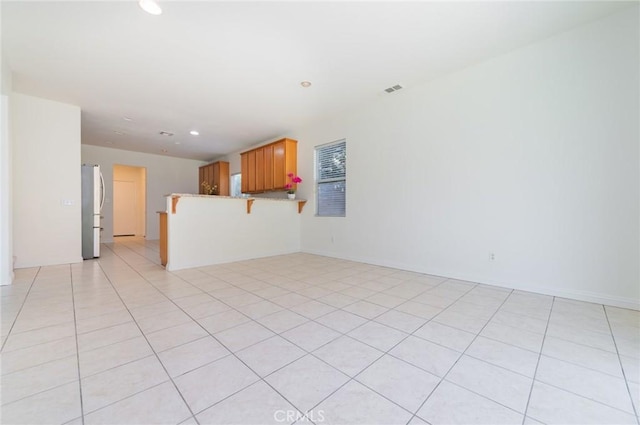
(293, 180)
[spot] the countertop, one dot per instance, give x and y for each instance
(242, 198)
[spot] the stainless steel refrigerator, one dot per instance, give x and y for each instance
(92, 202)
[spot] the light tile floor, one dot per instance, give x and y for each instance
(120, 340)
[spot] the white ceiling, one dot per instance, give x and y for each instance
(232, 70)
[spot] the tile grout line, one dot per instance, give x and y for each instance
(450, 326)
(550, 336)
(374, 347)
(115, 367)
(547, 355)
(38, 364)
(341, 309)
(260, 378)
(624, 375)
(535, 372)
(344, 334)
(146, 339)
(585, 397)
(107, 345)
(415, 414)
(127, 397)
(41, 391)
(20, 309)
(585, 367)
(212, 336)
(308, 353)
(266, 270)
(44, 363)
(405, 300)
(409, 334)
(311, 353)
(623, 378)
(75, 327)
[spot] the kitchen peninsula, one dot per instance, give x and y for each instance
(204, 230)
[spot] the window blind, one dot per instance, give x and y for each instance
(331, 174)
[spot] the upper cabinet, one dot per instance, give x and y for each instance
(266, 168)
(217, 175)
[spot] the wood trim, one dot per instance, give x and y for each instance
(249, 204)
(301, 206)
(163, 238)
(174, 203)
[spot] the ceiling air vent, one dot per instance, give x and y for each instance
(393, 88)
(166, 133)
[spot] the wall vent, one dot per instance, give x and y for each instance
(393, 88)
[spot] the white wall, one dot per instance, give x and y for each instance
(164, 175)
(209, 230)
(6, 223)
(532, 156)
(46, 156)
(6, 260)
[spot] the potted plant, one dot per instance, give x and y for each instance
(210, 189)
(291, 186)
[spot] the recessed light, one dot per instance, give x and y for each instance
(305, 84)
(194, 133)
(150, 6)
(177, 143)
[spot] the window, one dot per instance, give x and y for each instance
(331, 179)
(236, 184)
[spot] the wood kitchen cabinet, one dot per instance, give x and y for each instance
(265, 168)
(251, 172)
(216, 173)
(260, 170)
(244, 165)
(268, 167)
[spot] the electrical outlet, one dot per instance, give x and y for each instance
(492, 256)
(67, 202)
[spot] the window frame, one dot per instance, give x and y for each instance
(232, 185)
(318, 181)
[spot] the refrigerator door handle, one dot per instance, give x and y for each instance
(102, 189)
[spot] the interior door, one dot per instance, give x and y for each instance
(124, 208)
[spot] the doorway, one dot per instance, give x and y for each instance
(129, 200)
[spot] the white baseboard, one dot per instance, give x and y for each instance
(56, 262)
(8, 279)
(230, 259)
(587, 296)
